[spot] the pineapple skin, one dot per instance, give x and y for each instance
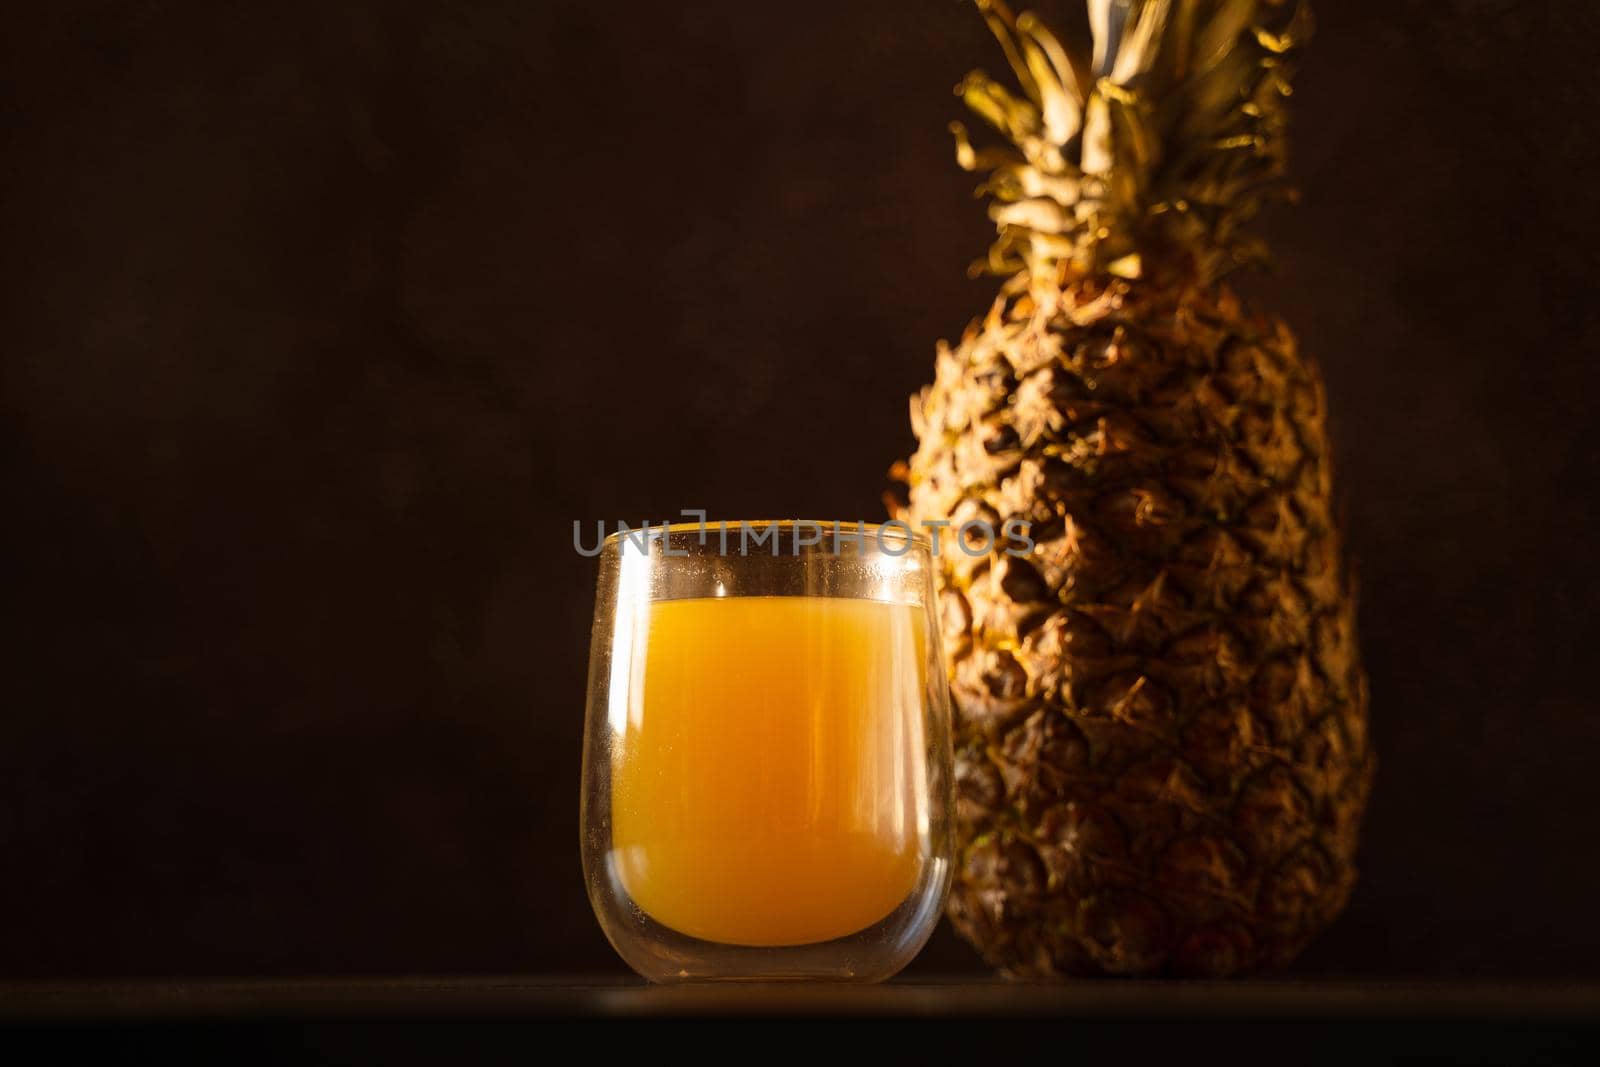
(1162, 755)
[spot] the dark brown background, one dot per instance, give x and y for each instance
(322, 323)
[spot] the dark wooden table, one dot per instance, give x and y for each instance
(513, 1018)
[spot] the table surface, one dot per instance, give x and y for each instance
(530, 1020)
(536, 997)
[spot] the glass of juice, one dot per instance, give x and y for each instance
(766, 766)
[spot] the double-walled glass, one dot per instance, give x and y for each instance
(766, 766)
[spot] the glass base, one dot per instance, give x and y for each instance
(874, 954)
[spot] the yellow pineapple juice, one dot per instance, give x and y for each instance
(765, 788)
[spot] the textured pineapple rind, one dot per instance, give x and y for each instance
(1161, 742)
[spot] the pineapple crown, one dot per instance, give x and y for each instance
(1146, 149)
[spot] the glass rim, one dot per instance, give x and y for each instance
(898, 529)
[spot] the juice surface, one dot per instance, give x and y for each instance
(768, 787)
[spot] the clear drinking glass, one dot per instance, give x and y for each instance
(766, 764)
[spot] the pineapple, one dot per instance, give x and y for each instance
(1161, 740)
